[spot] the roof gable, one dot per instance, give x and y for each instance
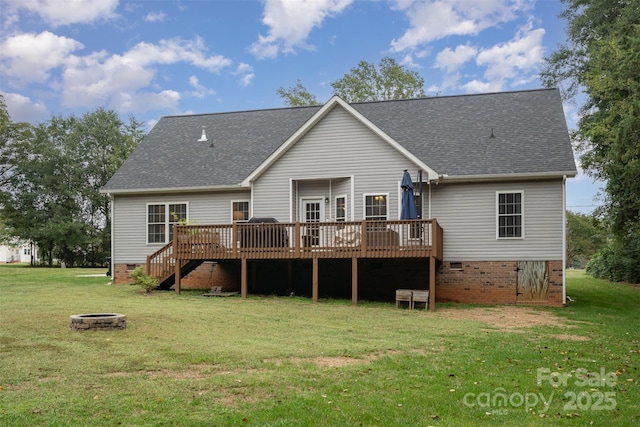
(334, 102)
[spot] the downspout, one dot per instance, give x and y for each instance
(430, 217)
(353, 197)
(112, 265)
(564, 240)
(291, 198)
(330, 203)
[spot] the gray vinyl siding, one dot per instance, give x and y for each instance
(375, 165)
(467, 214)
(130, 219)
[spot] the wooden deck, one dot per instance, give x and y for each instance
(194, 244)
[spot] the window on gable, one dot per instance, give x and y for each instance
(375, 207)
(240, 211)
(510, 215)
(161, 218)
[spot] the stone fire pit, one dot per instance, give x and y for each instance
(100, 321)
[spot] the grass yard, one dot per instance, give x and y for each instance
(193, 361)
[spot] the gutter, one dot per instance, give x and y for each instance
(506, 176)
(143, 191)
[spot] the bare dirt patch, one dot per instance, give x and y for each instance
(505, 318)
(325, 361)
(569, 337)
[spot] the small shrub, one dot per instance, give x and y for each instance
(148, 283)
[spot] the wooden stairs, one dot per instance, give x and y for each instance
(162, 265)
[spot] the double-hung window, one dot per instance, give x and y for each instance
(240, 211)
(375, 207)
(510, 215)
(161, 217)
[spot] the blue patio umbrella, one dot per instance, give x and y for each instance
(408, 203)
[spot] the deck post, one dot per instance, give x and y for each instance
(354, 281)
(296, 245)
(432, 283)
(177, 260)
(178, 273)
(234, 239)
(243, 278)
(314, 281)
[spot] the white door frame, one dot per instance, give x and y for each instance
(304, 201)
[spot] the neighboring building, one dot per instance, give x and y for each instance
(492, 167)
(18, 252)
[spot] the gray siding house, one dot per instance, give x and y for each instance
(489, 172)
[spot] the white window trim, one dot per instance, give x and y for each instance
(248, 201)
(168, 214)
(364, 203)
(312, 199)
(498, 193)
(346, 207)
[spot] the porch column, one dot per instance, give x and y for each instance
(243, 278)
(432, 283)
(314, 281)
(354, 281)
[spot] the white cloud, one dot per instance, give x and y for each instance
(122, 81)
(435, 19)
(171, 51)
(30, 57)
(450, 60)
(23, 109)
(476, 86)
(200, 90)
(99, 77)
(65, 12)
(506, 65)
(290, 22)
(245, 71)
(156, 17)
(141, 102)
(515, 58)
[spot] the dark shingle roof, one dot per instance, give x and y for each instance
(451, 134)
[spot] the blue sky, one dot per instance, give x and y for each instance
(156, 58)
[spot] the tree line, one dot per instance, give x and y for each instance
(600, 63)
(50, 180)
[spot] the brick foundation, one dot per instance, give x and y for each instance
(491, 282)
(225, 274)
(476, 282)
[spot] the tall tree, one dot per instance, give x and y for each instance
(365, 82)
(586, 235)
(388, 81)
(601, 61)
(297, 96)
(14, 139)
(53, 193)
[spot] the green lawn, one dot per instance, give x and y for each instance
(189, 360)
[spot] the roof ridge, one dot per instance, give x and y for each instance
(460, 95)
(257, 110)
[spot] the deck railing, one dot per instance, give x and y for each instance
(364, 239)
